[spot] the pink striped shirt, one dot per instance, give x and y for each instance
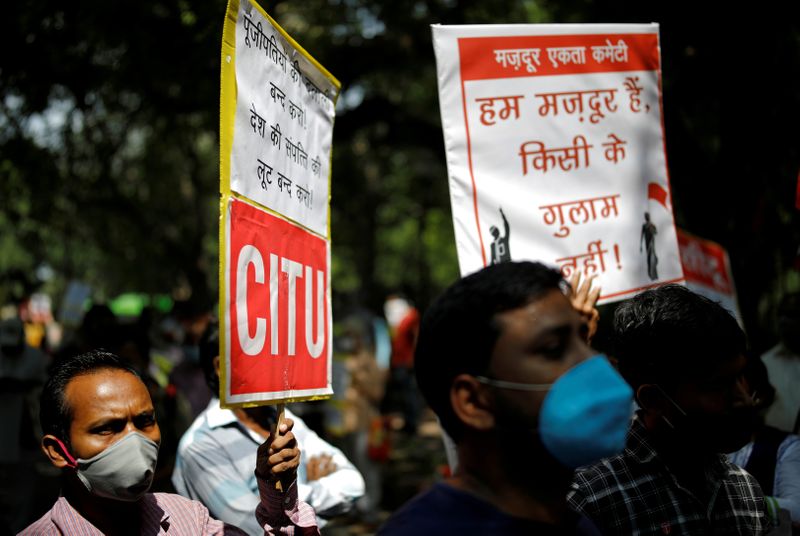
(173, 515)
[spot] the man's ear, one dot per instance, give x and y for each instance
(651, 399)
(470, 403)
(215, 364)
(54, 451)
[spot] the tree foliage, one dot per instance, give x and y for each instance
(109, 138)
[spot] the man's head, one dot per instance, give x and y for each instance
(683, 354)
(509, 321)
(90, 403)
(395, 309)
(210, 363)
(209, 357)
(494, 231)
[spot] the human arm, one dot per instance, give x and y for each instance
(216, 469)
(505, 223)
(787, 477)
(196, 519)
(246, 502)
(211, 470)
(281, 512)
(337, 486)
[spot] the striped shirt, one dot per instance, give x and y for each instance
(215, 461)
(173, 515)
(635, 493)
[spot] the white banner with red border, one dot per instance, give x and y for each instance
(555, 150)
(708, 271)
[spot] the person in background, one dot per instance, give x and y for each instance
(23, 371)
(98, 329)
(187, 376)
(502, 359)
(403, 320)
(364, 438)
(101, 431)
(216, 453)
(683, 355)
(773, 455)
(783, 365)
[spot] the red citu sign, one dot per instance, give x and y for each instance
(278, 307)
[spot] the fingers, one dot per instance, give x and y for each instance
(592, 323)
(278, 457)
(283, 461)
(320, 466)
(573, 283)
(584, 297)
(284, 437)
(283, 452)
(591, 300)
(328, 466)
(312, 469)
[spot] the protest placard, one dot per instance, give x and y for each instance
(555, 150)
(277, 111)
(277, 310)
(708, 271)
(284, 111)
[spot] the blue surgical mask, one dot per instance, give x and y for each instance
(586, 413)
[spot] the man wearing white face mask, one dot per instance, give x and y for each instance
(100, 429)
(502, 359)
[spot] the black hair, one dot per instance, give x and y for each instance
(669, 334)
(55, 414)
(459, 330)
(209, 349)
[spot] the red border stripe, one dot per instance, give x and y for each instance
(478, 62)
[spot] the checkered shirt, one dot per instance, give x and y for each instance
(635, 493)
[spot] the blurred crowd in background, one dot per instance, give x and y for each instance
(376, 416)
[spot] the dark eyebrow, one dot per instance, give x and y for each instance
(559, 330)
(546, 325)
(544, 337)
(104, 422)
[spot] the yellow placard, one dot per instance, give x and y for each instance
(310, 92)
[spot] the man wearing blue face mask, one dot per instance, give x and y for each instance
(101, 431)
(684, 357)
(502, 359)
